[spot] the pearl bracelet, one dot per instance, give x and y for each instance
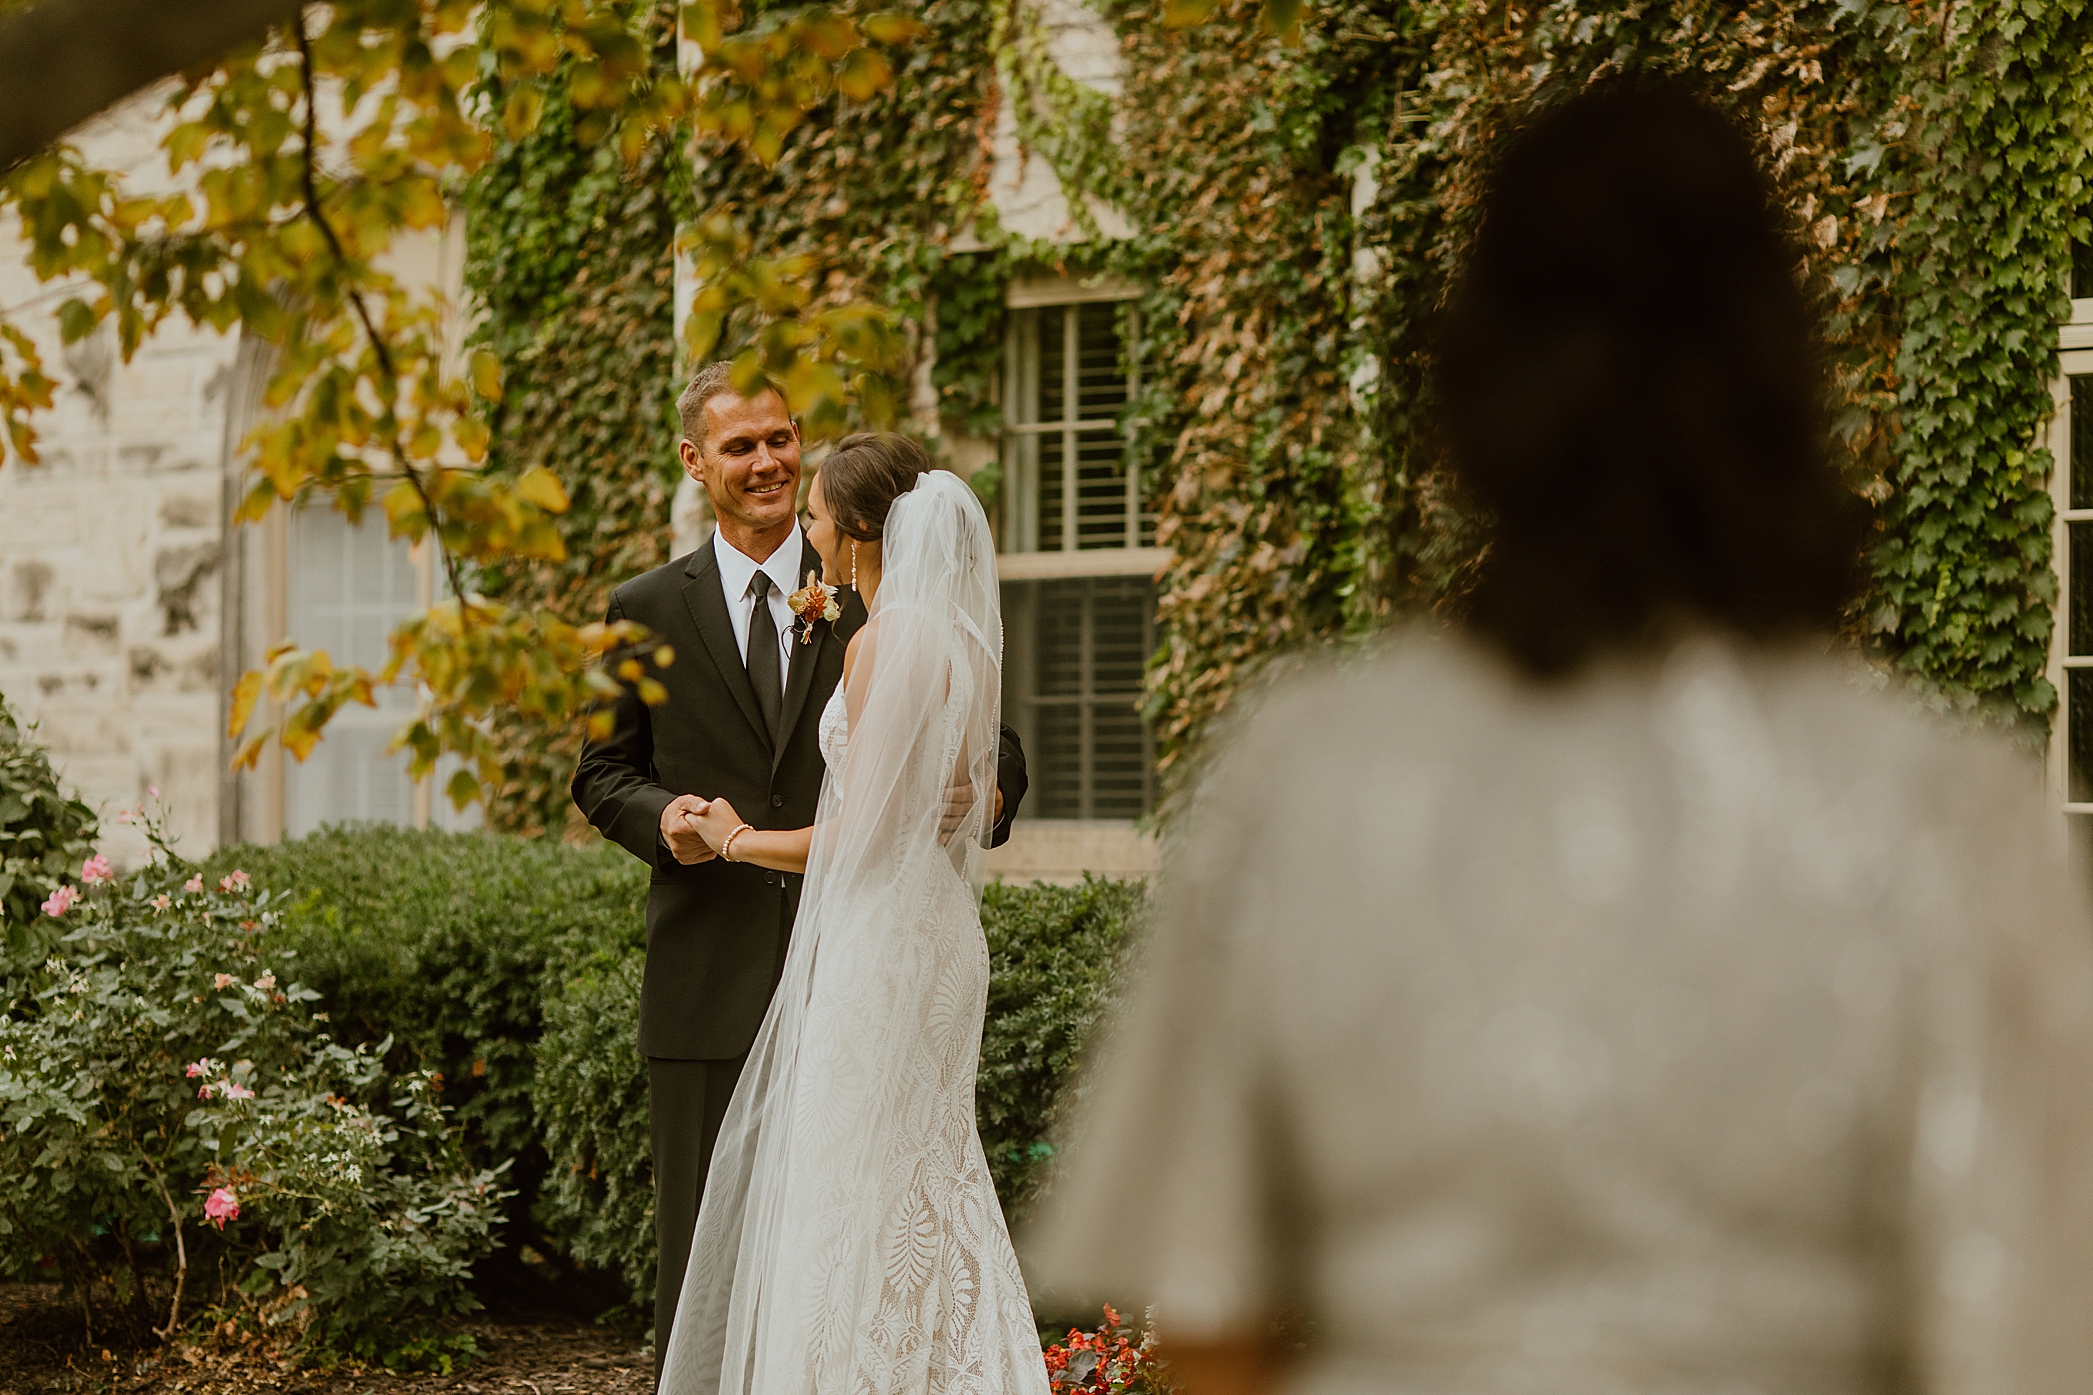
(727, 846)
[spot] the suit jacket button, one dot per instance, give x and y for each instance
(770, 879)
(777, 801)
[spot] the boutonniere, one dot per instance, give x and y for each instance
(812, 602)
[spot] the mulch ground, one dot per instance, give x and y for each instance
(43, 1351)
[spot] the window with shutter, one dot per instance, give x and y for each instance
(2071, 637)
(1078, 556)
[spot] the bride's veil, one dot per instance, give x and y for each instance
(782, 1291)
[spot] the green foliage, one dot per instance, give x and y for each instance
(441, 943)
(1985, 151)
(569, 259)
(300, 158)
(1054, 954)
(1297, 212)
(45, 835)
(592, 1107)
(169, 1102)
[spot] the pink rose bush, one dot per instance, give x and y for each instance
(221, 1206)
(166, 1073)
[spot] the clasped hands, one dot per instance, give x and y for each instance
(694, 828)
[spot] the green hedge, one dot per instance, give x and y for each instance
(445, 942)
(513, 968)
(45, 834)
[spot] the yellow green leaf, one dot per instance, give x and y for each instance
(865, 72)
(245, 693)
(522, 111)
(542, 487)
(463, 789)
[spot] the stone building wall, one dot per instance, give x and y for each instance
(111, 548)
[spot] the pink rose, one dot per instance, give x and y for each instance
(234, 1090)
(61, 901)
(266, 982)
(221, 1206)
(161, 902)
(195, 883)
(96, 869)
(223, 982)
(236, 882)
(153, 790)
(202, 1067)
(203, 1092)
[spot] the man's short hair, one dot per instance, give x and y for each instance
(709, 382)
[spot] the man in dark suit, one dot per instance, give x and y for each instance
(745, 695)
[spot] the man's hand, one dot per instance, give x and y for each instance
(679, 829)
(959, 800)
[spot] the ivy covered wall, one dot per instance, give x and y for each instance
(570, 265)
(1295, 212)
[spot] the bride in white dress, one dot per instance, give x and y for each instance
(849, 1241)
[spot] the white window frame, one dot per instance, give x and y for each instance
(263, 811)
(2075, 340)
(1020, 503)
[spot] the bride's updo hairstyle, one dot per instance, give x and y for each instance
(1633, 390)
(864, 475)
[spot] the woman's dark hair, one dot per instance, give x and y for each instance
(864, 475)
(1633, 389)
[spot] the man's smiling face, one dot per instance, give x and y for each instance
(749, 465)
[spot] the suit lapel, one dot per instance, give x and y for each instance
(708, 611)
(804, 659)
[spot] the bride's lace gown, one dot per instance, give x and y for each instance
(951, 1306)
(850, 1241)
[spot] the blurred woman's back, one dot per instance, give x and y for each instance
(1619, 995)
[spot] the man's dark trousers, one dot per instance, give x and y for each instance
(717, 933)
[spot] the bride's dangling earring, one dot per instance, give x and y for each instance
(852, 582)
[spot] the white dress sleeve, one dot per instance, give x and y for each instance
(2001, 1215)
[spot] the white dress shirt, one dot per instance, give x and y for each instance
(736, 570)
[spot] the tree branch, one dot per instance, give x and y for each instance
(65, 60)
(309, 183)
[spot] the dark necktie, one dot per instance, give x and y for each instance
(764, 675)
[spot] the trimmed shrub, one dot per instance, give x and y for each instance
(443, 943)
(44, 836)
(592, 1108)
(1053, 954)
(170, 1106)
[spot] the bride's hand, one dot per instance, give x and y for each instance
(718, 820)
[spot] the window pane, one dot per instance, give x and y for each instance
(1059, 666)
(1101, 486)
(1119, 761)
(2078, 718)
(2081, 270)
(1053, 364)
(1100, 382)
(348, 586)
(1072, 689)
(2081, 462)
(2079, 848)
(1120, 641)
(1053, 455)
(2080, 541)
